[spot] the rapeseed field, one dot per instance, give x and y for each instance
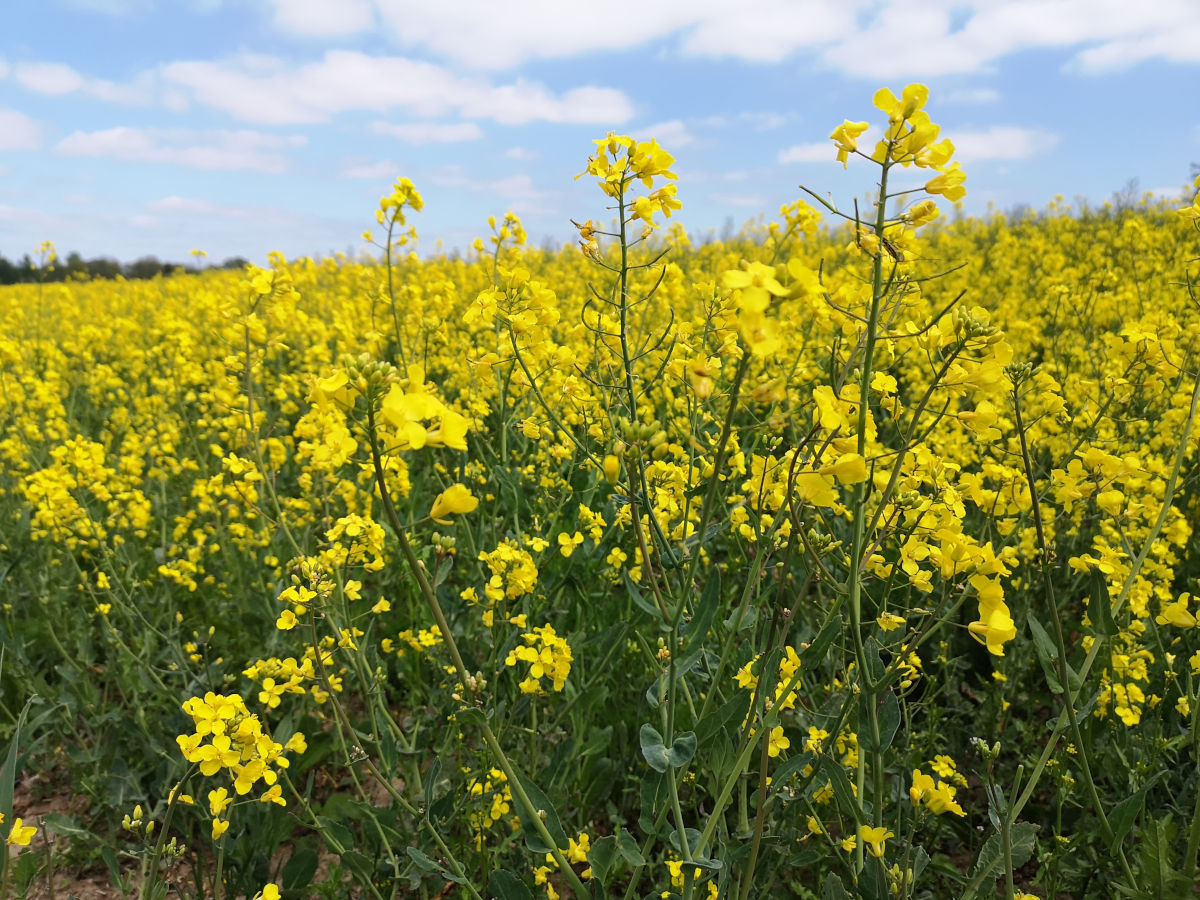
(854, 556)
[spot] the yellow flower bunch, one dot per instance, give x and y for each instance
(548, 656)
(228, 737)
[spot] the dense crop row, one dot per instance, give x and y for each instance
(845, 556)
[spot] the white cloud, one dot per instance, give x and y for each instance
(268, 91)
(767, 31)
(1180, 46)
(49, 78)
(523, 154)
(177, 207)
(110, 7)
(18, 131)
(823, 151)
(187, 205)
(515, 187)
(759, 121)
(430, 132)
(668, 134)
(323, 18)
(971, 96)
(483, 34)
(747, 201)
(30, 218)
(949, 38)
(826, 150)
(517, 192)
(3, 69)
(379, 171)
(865, 38)
(1001, 142)
(763, 121)
(1172, 194)
(225, 150)
(997, 142)
(510, 187)
(213, 216)
(58, 79)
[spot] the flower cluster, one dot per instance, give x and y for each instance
(548, 656)
(227, 737)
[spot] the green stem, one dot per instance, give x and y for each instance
(489, 737)
(219, 877)
(861, 490)
(152, 874)
(718, 461)
(1056, 621)
(1117, 605)
(1193, 844)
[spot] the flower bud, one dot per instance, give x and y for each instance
(612, 469)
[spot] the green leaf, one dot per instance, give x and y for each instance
(653, 748)
(1125, 813)
(471, 715)
(431, 778)
(357, 863)
(888, 714)
(653, 791)
(114, 866)
(804, 858)
(997, 804)
(1100, 606)
(1047, 654)
(872, 881)
(504, 885)
(298, 872)
(875, 665)
(422, 861)
(26, 870)
(833, 889)
(337, 837)
(717, 720)
(920, 861)
(442, 570)
(683, 748)
(843, 792)
(790, 767)
(705, 612)
(533, 840)
(629, 850)
(693, 838)
(749, 617)
(652, 692)
(636, 594)
(8, 775)
(1157, 874)
(990, 863)
(598, 740)
(815, 652)
(602, 856)
(66, 826)
(1024, 842)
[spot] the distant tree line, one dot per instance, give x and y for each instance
(76, 268)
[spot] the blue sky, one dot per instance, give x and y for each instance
(153, 127)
